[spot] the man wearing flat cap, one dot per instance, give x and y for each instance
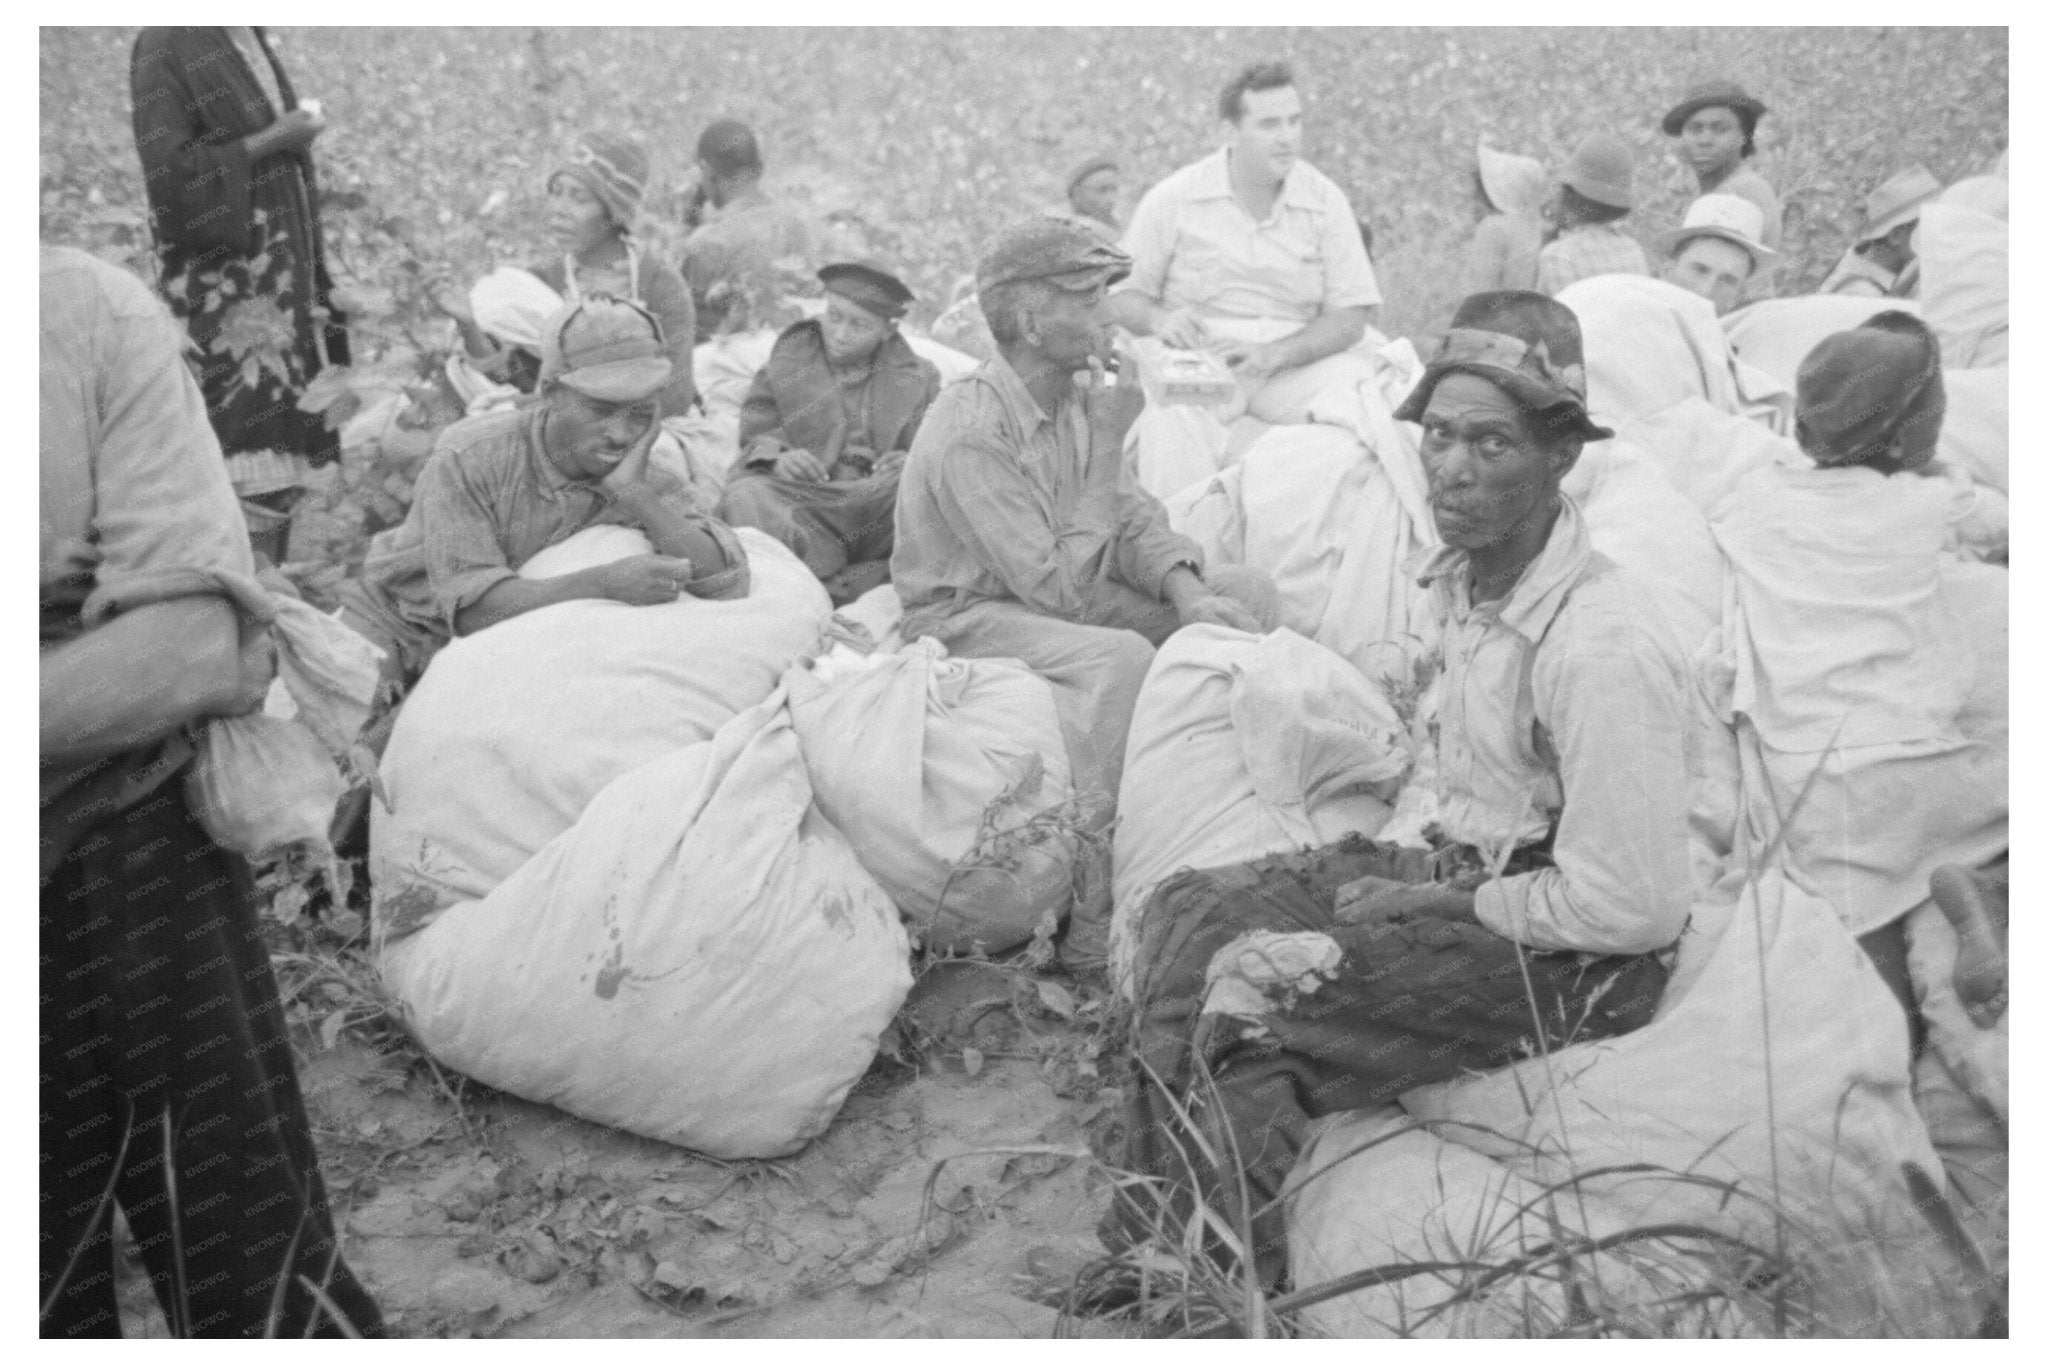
(1882, 263)
(1020, 532)
(501, 487)
(1255, 254)
(826, 427)
(1562, 768)
(1091, 192)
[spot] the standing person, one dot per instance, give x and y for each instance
(1255, 252)
(826, 427)
(1881, 262)
(1020, 531)
(742, 241)
(226, 150)
(593, 198)
(167, 1086)
(1716, 127)
(1566, 730)
(1092, 188)
(1595, 191)
(1509, 192)
(1715, 251)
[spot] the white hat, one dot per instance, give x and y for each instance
(1727, 216)
(511, 305)
(1987, 194)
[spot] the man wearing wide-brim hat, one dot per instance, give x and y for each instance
(1594, 192)
(826, 427)
(1716, 250)
(1882, 262)
(503, 486)
(1564, 743)
(1020, 532)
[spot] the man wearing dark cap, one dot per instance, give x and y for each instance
(825, 429)
(1019, 530)
(1255, 253)
(743, 244)
(1092, 189)
(1716, 127)
(503, 486)
(1341, 977)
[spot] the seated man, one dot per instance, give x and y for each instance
(825, 429)
(1019, 532)
(1882, 263)
(1595, 191)
(501, 487)
(1716, 250)
(743, 244)
(1256, 253)
(1565, 731)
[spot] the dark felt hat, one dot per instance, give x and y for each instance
(1725, 93)
(1056, 249)
(1529, 344)
(870, 286)
(1861, 389)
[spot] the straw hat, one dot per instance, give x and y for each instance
(1603, 171)
(1727, 216)
(1513, 184)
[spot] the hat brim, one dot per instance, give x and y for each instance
(620, 381)
(1674, 122)
(1904, 214)
(1071, 281)
(1668, 243)
(1600, 193)
(1536, 397)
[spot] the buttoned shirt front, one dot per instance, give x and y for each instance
(1193, 246)
(1565, 706)
(1003, 501)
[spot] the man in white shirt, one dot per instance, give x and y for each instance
(1254, 254)
(1339, 978)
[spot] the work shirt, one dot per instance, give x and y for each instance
(1579, 253)
(1193, 246)
(751, 243)
(1566, 706)
(1503, 252)
(488, 500)
(1002, 501)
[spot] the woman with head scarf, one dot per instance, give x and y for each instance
(1715, 125)
(1509, 196)
(593, 198)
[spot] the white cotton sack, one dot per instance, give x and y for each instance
(261, 784)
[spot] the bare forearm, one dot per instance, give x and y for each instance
(1136, 312)
(512, 597)
(138, 677)
(1334, 331)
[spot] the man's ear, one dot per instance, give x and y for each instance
(1565, 454)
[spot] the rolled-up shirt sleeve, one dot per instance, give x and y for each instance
(1149, 241)
(1622, 882)
(163, 514)
(1348, 281)
(733, 578)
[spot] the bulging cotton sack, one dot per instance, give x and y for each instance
(515, 729)
(947, 776)
(1244, 745)
(700, 959)
(261, 784)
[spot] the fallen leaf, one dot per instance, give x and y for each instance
(1056, 998)
(970, 1058)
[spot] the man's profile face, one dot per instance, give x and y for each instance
(851, 332)
(1711, 267)
(588, 437)
(1488, 473)
(1094, 195)
(1267, 135)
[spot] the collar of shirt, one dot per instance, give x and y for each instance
(1018, 404)
(1212, 181)
(1533, 603)
(549, 479)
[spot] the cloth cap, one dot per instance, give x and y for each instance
(1059, 250)
(1513, 184)
(1087, 168)
(612, 168)
(870, 286)
(1603, 171)
(1529, 344)
(513, 305)
(1860, 389)
(1727, 216)
(1725, 93)
(1987, 194)
(1897, 201)
(728, 147)
(605, 348)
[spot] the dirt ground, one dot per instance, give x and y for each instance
(471, 1213)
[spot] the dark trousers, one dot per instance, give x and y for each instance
(1407, 1004)
(168, 1086)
